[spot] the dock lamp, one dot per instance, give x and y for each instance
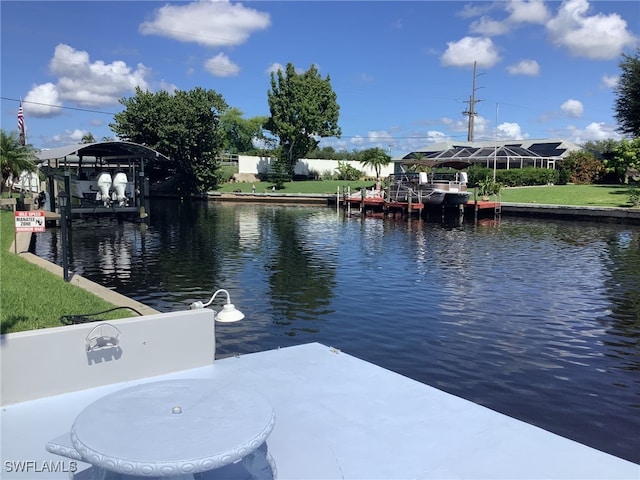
(63, 201)
(229, 312)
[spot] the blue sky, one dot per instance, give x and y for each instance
(402, 71)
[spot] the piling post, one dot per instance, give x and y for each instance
(67, 188)
(475, 205)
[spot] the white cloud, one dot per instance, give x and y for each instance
(168, 87)
(510, 131)
(379, 137)
(454, 125)
(572, 108)
(610, 81)
(88, 83)
(593, 132)
(358, 140)
(524, 67)
(221, 66)
(489, 27)
(435, 136)
(209, 23)
(475, 9)
(274, 67)
(533, 11)
(70, 136)
(520, 11)
(41, 101)
(597, 36)
(469, 49)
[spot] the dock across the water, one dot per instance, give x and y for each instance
(376, 206)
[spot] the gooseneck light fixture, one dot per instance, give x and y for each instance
(229, 312)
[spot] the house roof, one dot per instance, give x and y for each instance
(548, 148)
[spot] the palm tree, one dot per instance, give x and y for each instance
(14, 158)
(375, 158)
(87, 138)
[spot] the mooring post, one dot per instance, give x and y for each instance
(475, 205)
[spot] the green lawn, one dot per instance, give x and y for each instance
(31, 297)
(577, 195)
(308, 186)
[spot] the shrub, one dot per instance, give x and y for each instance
(344, 171)
(583, 168)
(225, 173)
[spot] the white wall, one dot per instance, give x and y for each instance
(52, 361)
(260, 165)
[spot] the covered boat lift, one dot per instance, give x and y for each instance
(101, 177)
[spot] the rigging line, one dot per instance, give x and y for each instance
(59, 106)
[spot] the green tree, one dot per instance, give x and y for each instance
(14, 158)
(184, 126)
(375, 158)
(626, 159)
(627, 103)
(303, 107)
(602, 149)
(88, 138)
(240, 133)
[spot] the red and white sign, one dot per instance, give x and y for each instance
(30, 221)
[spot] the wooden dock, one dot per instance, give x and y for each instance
(377, 206)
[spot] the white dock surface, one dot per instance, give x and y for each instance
(340, 417)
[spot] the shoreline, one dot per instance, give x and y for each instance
(22, 240)
(626, 215)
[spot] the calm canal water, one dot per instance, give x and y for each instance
(537, 319)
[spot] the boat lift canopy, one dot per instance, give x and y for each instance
(106, 151)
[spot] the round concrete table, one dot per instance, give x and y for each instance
(176, 428)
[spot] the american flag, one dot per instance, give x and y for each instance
(21, 124)
(23, 138)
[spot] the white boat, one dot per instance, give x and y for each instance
(430, 188)
(336, 416)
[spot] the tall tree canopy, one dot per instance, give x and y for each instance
(184, 126)
(303, 107)
(239, 133)
(627, 104)
(15, 158)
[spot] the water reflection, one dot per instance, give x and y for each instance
(539, 320)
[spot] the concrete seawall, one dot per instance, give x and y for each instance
(568, 212)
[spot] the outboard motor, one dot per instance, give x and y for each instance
(120, 188)
(104, 185)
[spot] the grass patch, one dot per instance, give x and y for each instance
(306, 186)
(575, 195)
(32, 298)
